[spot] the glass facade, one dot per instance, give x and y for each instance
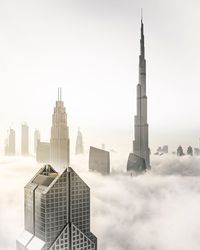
(57, 211)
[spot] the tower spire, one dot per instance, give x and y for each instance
(142, 48)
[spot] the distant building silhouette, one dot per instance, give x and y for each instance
(24, 139)
(140, 158)
(43, 152)
(165, 149)
(36, 139)
(197, 151)
(57, 212)
(162, 150)
(103, 146)
(10, 143)
(190, 151)
(99, 160)
(180, 151)
(79, 143)
(59, 142)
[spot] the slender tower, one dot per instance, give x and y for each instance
(139, 159)
(59, 143)
(79, 143)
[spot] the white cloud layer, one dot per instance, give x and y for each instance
(155, 211)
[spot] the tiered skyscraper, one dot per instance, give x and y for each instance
(139, 159)
(79, 143)
(59, 142)
(24, 139)
(57, 212)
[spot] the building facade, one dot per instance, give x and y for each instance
(24, 139)
(57, 212)
(43, 152)
(36, 139)
(141, 152)
(59, 142)
(10, 143)
(99, 160)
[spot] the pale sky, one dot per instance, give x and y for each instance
(90, 48)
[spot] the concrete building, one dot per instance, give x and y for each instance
(141, 143)
(10, 143)
(43, 152)
(99, 160)
(57, 212)
(79, 143)
(36, 139)
(24, 139)
(59, 142)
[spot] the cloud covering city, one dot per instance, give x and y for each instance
(157, 210)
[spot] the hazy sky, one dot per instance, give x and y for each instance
(90, 48)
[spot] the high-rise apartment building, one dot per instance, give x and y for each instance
(24, 139)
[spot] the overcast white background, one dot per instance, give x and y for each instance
(90, 48)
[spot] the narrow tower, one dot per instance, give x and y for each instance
(79, 143)
(139, 159)
(59, 143)
(24, 139)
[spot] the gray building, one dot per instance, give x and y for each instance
(24, 139)
(180, 151)
(141, 150)
(99, 160)
(57, 212)
(196, 151)
(190, 151)
(79, 143)
(59, 142)
(43, 152)
(10, 143)
(36, 139)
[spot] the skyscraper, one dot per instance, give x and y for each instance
(36, 139)
(24, 139)
(10, 143)
(59, 142)
(57, 212)
(139, 159)
(79, 143)
(99, 160)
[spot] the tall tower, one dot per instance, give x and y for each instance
(12, 141)
(24, 139)
(59, 142)
(79, 143)
(57, 212)
(139, 159)
(36, 139)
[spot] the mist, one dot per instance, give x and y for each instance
(155, 211)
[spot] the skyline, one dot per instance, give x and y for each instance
(109, 49)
